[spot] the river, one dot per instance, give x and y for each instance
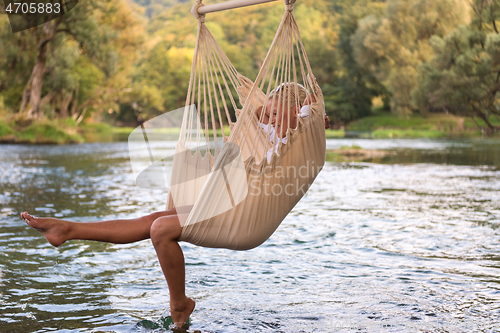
(406, 243)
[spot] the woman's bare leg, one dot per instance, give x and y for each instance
(162, 227)
(113, 231)
(165, 232)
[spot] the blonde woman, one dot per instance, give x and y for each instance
(163, 228)
(285, 105)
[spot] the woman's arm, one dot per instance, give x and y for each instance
(311, 99)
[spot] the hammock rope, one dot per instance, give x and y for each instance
(225, 188)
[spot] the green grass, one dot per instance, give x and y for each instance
(39, 131)
(350, 147)
(334, 134)
(167, 131)
(5, 129)
(441, 122)
(387, 126)
(377, 126)
(410, 134)
(434, 126)
(471, 126)
(100, 128)
(48, 132)
(122, 130)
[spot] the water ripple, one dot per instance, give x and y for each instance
(399, 246)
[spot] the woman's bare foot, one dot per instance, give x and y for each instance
(55, 231)
(180, 315)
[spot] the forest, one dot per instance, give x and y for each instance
(123, 62)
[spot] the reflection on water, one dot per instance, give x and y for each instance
(407, 244)
(466, 152)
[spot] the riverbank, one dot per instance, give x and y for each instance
(434, 126)
(379, 126)
(40, 131)
(388, 126)
(59, 131)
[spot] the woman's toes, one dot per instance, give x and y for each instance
(25, 216)
(31, 220)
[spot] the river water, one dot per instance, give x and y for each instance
(406, 243)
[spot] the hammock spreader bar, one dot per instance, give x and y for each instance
(217, 7)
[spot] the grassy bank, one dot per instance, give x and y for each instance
(45, 131)
(434, 126)
(330, 134)
(39, 131)
(167, 131)
(376, 126)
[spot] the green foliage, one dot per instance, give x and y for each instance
(350, 97)
(464, 76)
(47, 133)
(88, 77)
(393, 45)
(440, 122)
(84, 64)
(334, 134)
(123, 130)
(16, 62)
(162, 75)
(161, 81)
(350, 147)
(124, 63)
(94, 70)
(154, 7)
(407, 134)
(101, 128)
(386, 121)
(5, 129)
(39, 131)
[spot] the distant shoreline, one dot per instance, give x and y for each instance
(381, 126)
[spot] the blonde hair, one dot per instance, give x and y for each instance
(292, 92)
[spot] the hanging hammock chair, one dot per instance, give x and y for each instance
(227, 191)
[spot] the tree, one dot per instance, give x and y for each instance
(391, 47)
(464, 76)
(160, 82)
(354, 88)
(16, 62)
(244, 34)
(98, 30)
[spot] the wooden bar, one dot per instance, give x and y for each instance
(217, 7)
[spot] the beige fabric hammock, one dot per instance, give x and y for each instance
(232, 196)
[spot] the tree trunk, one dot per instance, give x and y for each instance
(74, 102)
(47, 99)
(80, 110)
(65, 100)
(491, 128)
(82, 115)
(32, 93)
